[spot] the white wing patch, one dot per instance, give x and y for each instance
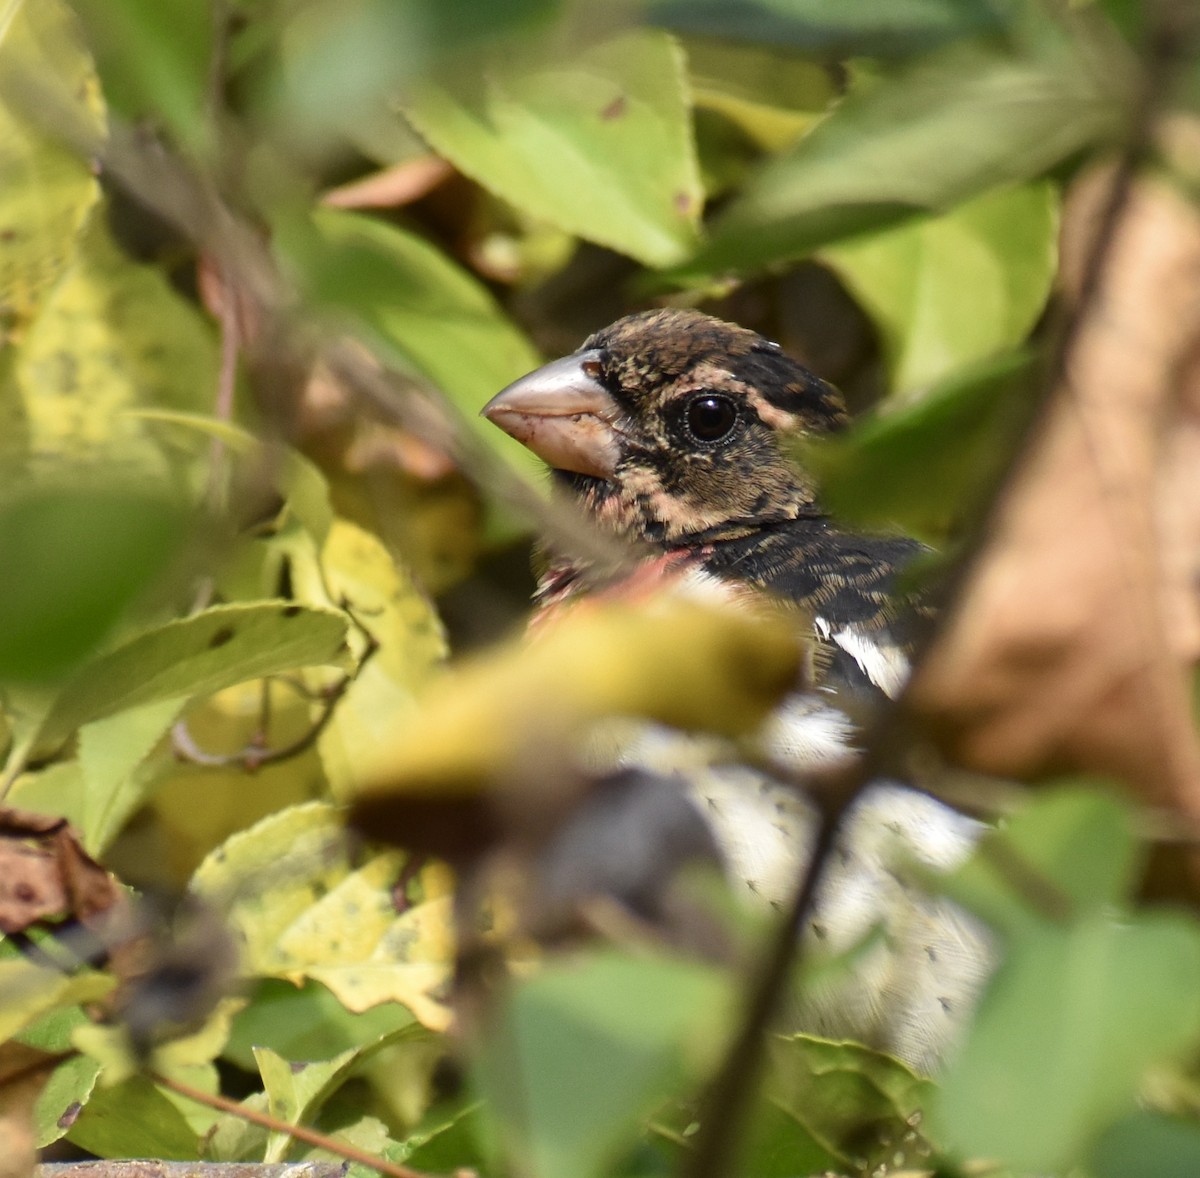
(884, 664)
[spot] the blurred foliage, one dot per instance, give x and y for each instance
(229, 583)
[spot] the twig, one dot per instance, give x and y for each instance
(299, 1132)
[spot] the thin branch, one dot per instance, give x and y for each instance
(298, 1132)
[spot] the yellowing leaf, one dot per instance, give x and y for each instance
(672, 660)
(358, 569)
(48, 191)
(596, 141)
(29, 990)
(303, 909)
(113, 336)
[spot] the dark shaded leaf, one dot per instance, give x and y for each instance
(926, 467)
(882, 28)
(882, 155)
(1147, 1143)
(75, 560)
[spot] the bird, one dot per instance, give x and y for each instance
(674, 432)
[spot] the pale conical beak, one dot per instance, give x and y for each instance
(563, 414)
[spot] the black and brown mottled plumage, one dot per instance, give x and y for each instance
(672, 429)
(686, 450)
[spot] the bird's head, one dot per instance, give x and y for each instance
(667, 424)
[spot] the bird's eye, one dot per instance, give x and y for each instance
(710, 418)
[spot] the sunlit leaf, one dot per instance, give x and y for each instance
(296, 476)
(344, 60)
(302, 908)
(596, 141)
(1072, 1019)
(882, 155)
(583, 1048)
(56, 790)
(112, 337)
(297, 1090)
(874, 27)
(217, 648)
(117, 776)
(197, 806)
(951, 290)
(358, 569)
(48, 191)
(30, 990)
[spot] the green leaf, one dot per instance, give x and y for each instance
(57, 790)
(417, 309)
(48, 190)
(71, 1083)
(60, 1102)
(1094, 1004)
(343, 61)
(772, 96)
(134, 1119)
(154, 58)
(583, 1049)
(446, 1139)
(850, 27)
(823, 1093)
(595, 140)
(75, 559)
(117, 775)
(305, 1022)
(296, 1090)
(1077, 842)
(882, 155)
(951, 290)
(194, 656)
(1147, 1143)
(926, 467)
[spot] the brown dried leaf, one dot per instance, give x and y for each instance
(1073, 644)
(45, 872)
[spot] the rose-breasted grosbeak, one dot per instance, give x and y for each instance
(668, 427)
